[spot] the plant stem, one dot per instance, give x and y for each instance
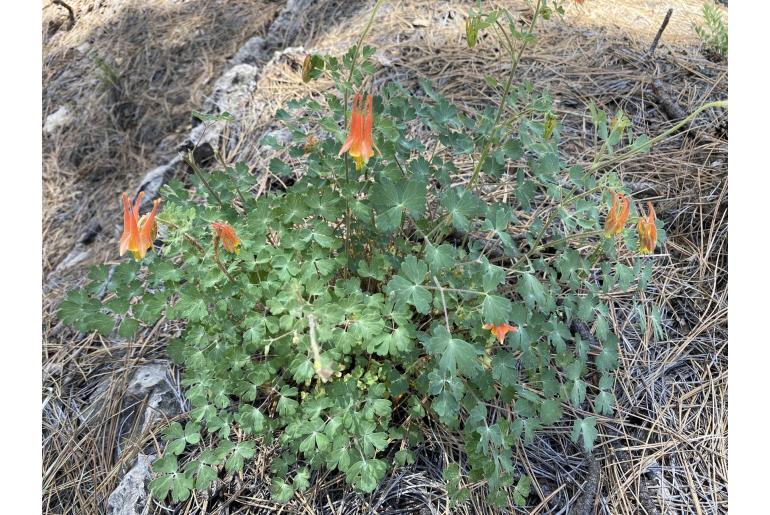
(457, 290)
(515, 59)
(631, 150)
(190, 160)
(323, 373)
(345, 104)
(443, 302)
(219, 262)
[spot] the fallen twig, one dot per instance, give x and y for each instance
(651, 51)
(70, 11)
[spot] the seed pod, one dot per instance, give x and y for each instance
(307, 68)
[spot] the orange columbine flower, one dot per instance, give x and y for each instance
(500, 330)
(648, 233)
(138, 233)
(359, 143)
(617, 216)
(226, 233)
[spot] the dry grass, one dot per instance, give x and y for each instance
(668, 440)
(640, 19)
(130, 72)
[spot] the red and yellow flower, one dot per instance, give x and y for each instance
(648, 233)
(225, 233)
(500, 330)
(359, 143)
(138, 233)
(617, 216)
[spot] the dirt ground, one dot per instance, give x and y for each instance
(128, 73)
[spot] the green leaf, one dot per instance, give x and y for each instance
(496, 309)
(453, 354)
(167, 464)
(178, 438)
(149, 308)
(340, 458)
(118, 305)
(521, 491)
(100, 322)
(365, 474)
(205, 476)
(391, 201)
(550, 411)
(531, 290)
(181, 486)
(586, 427)
(513, 149)
(128, 328)
(70, 312)
(371, 440)
(279, 168)
(462, 206)
(160, 486)
(404, 457)
(241, 451)
(505, 368)
(162, 272)
(441, 257)
(398, 341)
(286, 405)
(301, 481)
(407, 286)
(577, 392)
(451, 475)
(191, 306)
(280, 491)
(607, 359)
(604, 402)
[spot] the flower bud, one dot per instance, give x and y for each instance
(471, 30)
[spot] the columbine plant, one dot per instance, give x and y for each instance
(370, 296)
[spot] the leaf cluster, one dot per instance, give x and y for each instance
(397, 303)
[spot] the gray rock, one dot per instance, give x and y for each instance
(153, 381)
(56, 120)
(154, 180)
(130, 496)
(252, 52)
(233, 89)
(285, 28)
(77, 255)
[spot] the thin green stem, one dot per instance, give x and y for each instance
(219, 261)
(345, 104)
(515, 59)
(190, 160)
(458, 290)
(631, 150)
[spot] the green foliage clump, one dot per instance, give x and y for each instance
(714, 33)
(354, 309)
